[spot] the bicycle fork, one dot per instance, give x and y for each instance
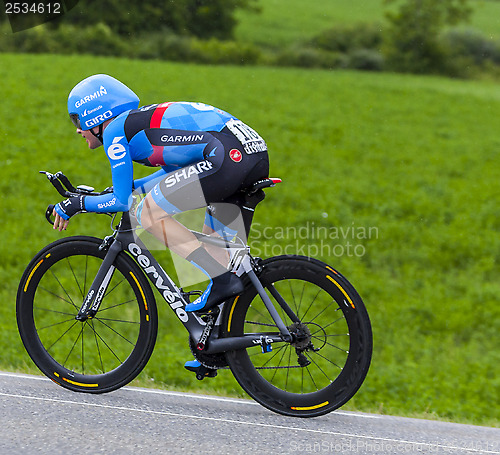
(100, 284)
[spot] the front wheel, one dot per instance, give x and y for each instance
(329, 356)
(99, 354)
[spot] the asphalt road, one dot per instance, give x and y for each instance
(38, 417)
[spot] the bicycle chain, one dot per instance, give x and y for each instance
(217, 361)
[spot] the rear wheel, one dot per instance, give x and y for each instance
(329, 356)
(97, 355)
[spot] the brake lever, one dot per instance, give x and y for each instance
(48, 213)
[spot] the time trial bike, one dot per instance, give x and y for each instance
(298, 338)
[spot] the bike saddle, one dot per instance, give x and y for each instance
(260, 184)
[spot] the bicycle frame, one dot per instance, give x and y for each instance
(124, 240)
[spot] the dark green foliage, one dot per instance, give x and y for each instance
(412, 41)
(346, 38)
(473, 44)
(201, 18)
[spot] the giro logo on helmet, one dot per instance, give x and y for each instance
(116, 151)
(102, 91)
(99, 119)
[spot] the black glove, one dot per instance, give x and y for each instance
(71, 206)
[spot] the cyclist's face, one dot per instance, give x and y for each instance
(92, 141)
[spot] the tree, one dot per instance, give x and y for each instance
(412, 42)
(201, 18)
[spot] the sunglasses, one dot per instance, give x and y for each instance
(76, 120)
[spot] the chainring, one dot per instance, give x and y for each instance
(208, 360)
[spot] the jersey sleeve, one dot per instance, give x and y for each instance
(118, 152)
(146, 184)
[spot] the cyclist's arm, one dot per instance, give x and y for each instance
(146, 184)
(119, 200)
(118, 152)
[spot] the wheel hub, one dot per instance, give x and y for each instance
(301, 335)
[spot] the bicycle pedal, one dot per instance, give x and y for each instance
(201, 371)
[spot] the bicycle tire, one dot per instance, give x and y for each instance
(97, 355)
(339, 328)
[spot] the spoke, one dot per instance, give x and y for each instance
(117, 320)
(83, 351)
(117, 305)
(113, 330)
(74, 276)
(91, 323)
(301, 296)
(58, 296)
(291, 291)
(56, 323)
(276, 352)
(288, 371)
(50, 347)
(73, 347)
(264, 316)
(302, 381)
(328, 360)
(261, 323)
(106, 344)
(311, 304)
(85, 275)
(322, 329)
(63, 288)
(332, 345)
(312, 379)
(323, 310)
(48, 310)
(320, 369)
(279, 363)
(114, 287)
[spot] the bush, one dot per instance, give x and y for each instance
(471, 43)
(223, 52)
(307, 57)
(366, 59)
(347, 38)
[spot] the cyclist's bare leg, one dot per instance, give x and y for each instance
(220, 254)
(173, 234)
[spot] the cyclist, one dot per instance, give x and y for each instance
(206, 156)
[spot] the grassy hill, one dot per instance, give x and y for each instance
(287, 21)
(410, 161)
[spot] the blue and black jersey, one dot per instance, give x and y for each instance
(193, 144)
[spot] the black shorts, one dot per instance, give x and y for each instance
(214, 182)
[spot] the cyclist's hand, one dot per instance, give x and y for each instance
(59, 223)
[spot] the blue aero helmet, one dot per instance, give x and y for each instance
(99, 98)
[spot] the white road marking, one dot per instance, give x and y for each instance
(188, 395)
(255, 424)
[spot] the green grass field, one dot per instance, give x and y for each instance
(391, 179)
(283, 22)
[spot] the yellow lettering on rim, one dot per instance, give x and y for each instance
(307, 408)
(140, 289)
(231, 313)
(80, 383)
(343, 292)
(31, 274)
